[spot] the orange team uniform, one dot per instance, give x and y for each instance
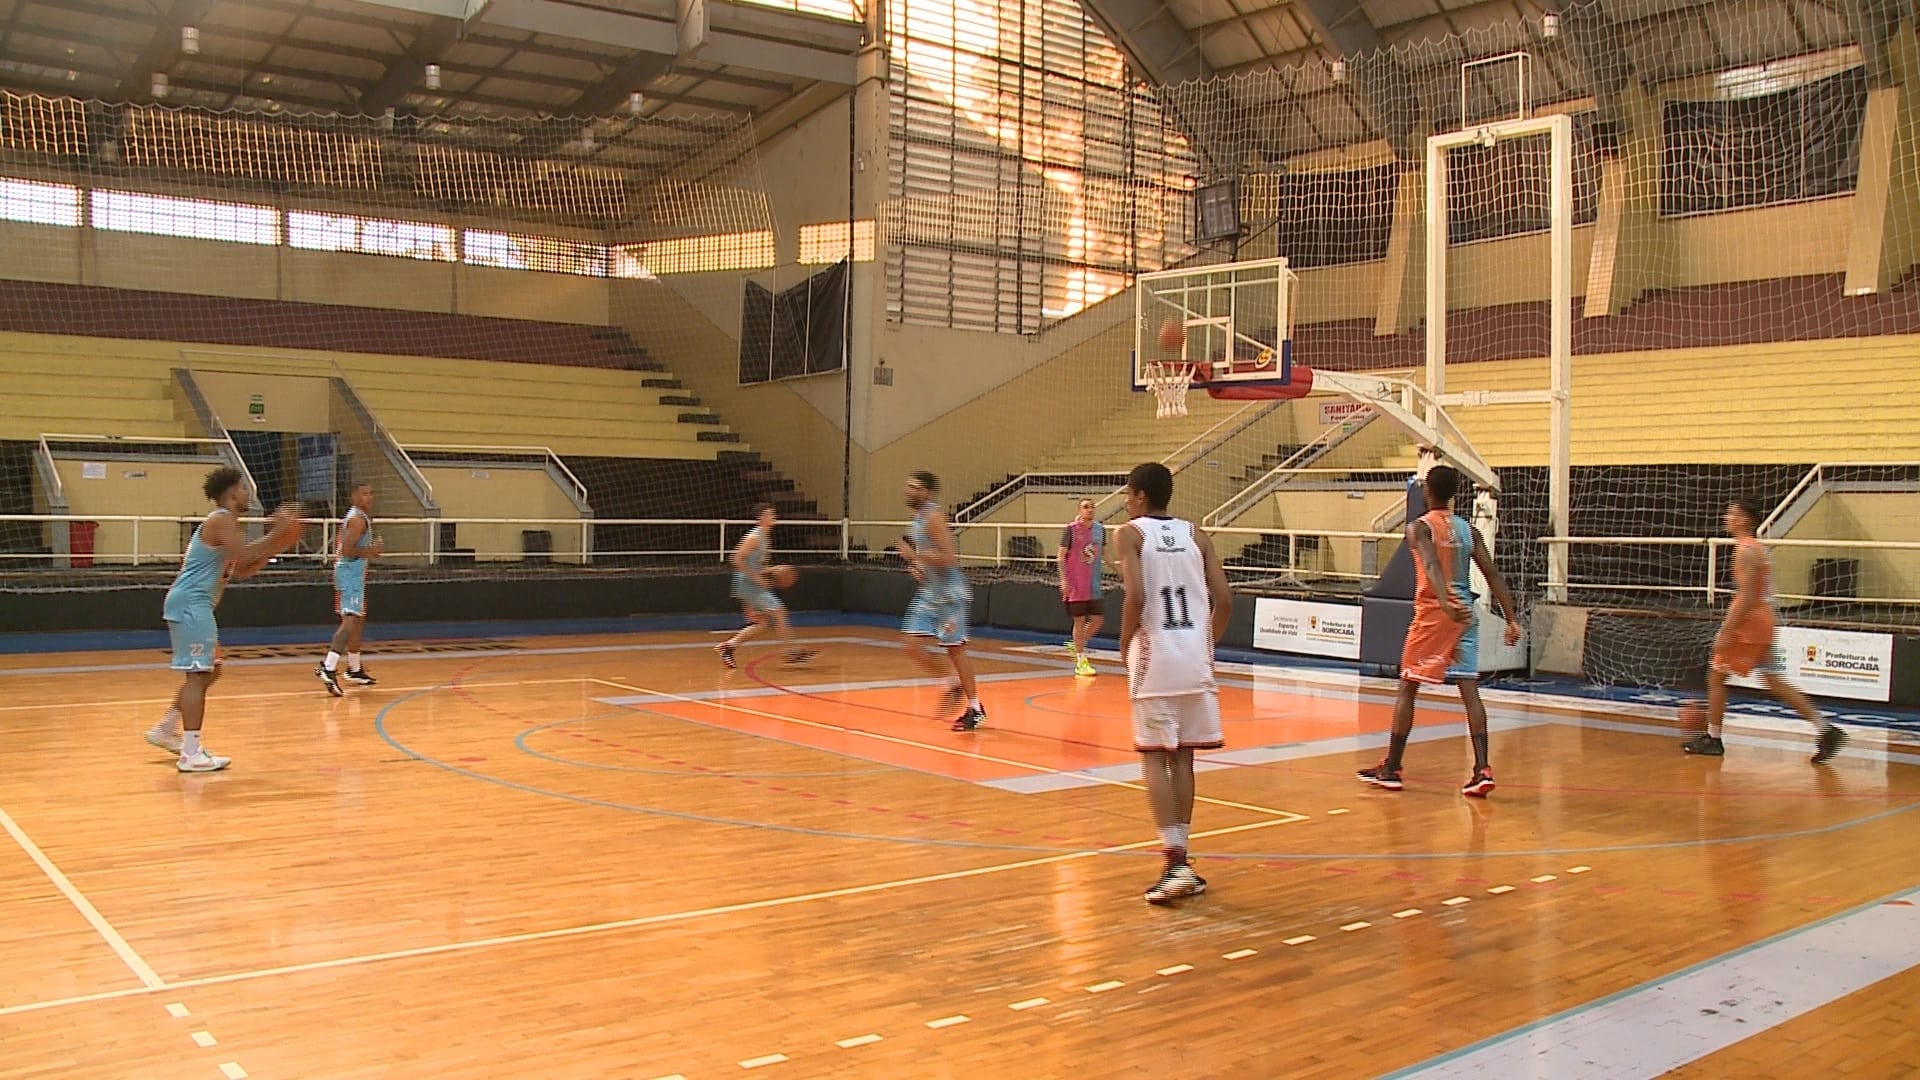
(1750, 648)
(1438, 647)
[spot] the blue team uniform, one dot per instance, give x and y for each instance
(940, 605)
(746, 588)
(190, 602)
(350, 568)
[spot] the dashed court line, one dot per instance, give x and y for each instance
(1029, 1004)
(857, 1041)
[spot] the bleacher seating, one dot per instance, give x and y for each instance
(1856, 399)
(589, 393)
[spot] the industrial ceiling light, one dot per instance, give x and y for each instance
(432, 81)
(1550, 26)
(190, 41)
(1339, 71)
(634, 101)
(159, 85)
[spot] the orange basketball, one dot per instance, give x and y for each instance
(286, 532)
(286, 536)
(782, 576)
(1173, 335)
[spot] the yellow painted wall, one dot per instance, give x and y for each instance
(504, 492)
(293, 402)
(1333, 511)
(162, 489)
(1752, 245)
(1856, 515)
(803, 443)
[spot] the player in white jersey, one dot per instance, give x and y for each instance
(1170, 571)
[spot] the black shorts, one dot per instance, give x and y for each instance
(1078, 608)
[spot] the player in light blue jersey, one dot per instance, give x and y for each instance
(754, 590)
(357, 545)
(940, 605)
(217, 552)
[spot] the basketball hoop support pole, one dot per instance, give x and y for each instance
(1559, 129)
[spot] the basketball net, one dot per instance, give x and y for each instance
(1169, 383)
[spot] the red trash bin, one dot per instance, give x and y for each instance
(80, 543)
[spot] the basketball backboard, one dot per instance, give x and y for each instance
(1231, 322)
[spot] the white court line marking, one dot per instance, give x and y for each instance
(1301, 940)
(1499, 889)
(204, 1039)
(857, 1040)
(954, 751)
(233, 1071)
(1239, 954)
(622, 924)
(1030, 1003)
(1578, 869)
(770, 1059)
(319, 695)
(1338, 810)
(148, 977)
(1352, 926)
(1101, 988)
(948, 1021)
(1407, 914)
(674, 1076)
(177, 1010)
(1543, 879)
(1177, 969)
(1455, 901)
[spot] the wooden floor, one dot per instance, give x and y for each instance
(609, 857)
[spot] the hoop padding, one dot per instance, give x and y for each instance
(1299, 386)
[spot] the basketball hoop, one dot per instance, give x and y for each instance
(1169, 383)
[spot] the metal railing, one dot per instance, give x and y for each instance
(1709, 586)
(242, 363)
(1237, 504)
(1179, 458)
(553, 461)
(849, 539)
(836, 538)
(1813, 485)
(115, 445)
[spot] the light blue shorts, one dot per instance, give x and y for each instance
(939, 614)
(196, 641)
(753, 597)
(1466, 655)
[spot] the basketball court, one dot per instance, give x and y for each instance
(555, 854)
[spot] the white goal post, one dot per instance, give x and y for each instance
(1559, 129)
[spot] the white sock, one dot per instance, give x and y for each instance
(189, 744)
(171, 721)
(1171, 839)
(974, 704)
(353, 661)
(332, 662)
(1180, 831)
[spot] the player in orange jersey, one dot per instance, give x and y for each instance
(1441, 642)
(1747, 644)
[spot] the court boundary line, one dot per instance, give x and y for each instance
(723, 706)
(150, 978)
(315, 694)
(618, 924)
(1441, 1061)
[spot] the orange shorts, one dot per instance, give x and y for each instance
(1433, 647)
(1751, 650)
